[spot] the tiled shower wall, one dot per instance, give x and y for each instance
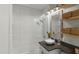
(4, 28)
(26, 33)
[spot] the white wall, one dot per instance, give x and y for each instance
(26, 33)
(4, 28)
(71, 23)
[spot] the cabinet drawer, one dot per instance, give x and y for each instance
(75, 13)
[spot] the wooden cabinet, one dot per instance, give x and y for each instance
(73, 15)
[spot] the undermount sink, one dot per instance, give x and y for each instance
(50, 41)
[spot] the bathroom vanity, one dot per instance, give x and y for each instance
(63, 48)
(49, 49)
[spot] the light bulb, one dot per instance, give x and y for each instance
(48, 13)
(57, 8)
(52, 10)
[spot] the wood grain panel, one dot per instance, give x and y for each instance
(67, 30)
(73, 31)
(75, 13)
(67, 5)
(66, 15)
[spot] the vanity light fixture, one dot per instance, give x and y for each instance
(51, 11)
(48, 12)
(57, 7)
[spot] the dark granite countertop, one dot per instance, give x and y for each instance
(68, 44)
(64, 46)
(49, 47)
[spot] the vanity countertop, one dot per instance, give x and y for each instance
(49, 47)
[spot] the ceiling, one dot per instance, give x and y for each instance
(37, 6)
(40, 6)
